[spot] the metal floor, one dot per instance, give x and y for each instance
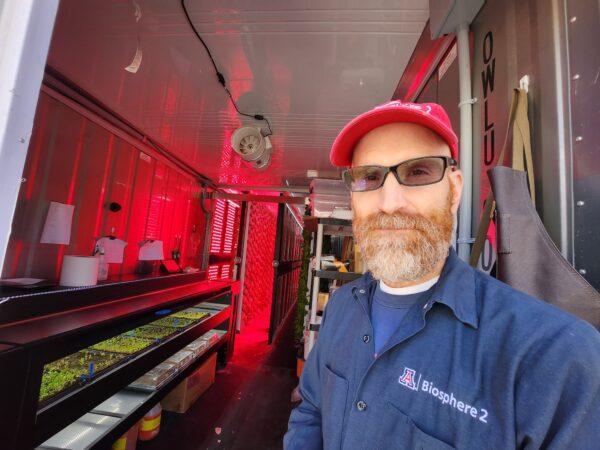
(248, 406)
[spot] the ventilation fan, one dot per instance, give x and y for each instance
(252, 146)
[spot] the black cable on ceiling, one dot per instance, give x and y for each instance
(220, 76)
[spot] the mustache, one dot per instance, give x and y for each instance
(394, 221)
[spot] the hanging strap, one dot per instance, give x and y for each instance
(522, 158)
(518, 122)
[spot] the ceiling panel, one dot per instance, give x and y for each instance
(308, 66)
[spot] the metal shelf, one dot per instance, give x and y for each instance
(332, 227)
(20, 304)
(67, 409)
(140, 404)
(323, 227)
(332, 221)
(27, 345)
(335, 275)
(127, 422)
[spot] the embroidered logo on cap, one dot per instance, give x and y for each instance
(397, 103)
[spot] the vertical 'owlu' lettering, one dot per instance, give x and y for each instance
(487, 84)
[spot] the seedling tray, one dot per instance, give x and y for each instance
(191, 313)
(150, 332)
(173, 322)
(55, 382)
(124, 344)
(73, 370)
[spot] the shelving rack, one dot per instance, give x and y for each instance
(41, 327)
(323, 227)
(143, 402)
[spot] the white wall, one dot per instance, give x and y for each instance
(25, 33)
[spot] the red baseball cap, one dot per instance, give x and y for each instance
(430, 115)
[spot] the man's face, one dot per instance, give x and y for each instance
(404, 231)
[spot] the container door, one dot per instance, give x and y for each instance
(286, 263)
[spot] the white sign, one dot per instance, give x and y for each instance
(113, 249)
(151, 251)
(57, 229)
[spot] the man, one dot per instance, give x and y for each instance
(425, 352)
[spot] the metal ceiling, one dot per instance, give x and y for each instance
(309, 66)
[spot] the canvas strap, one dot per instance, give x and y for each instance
(522, 159)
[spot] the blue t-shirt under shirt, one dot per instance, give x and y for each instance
(388, 310)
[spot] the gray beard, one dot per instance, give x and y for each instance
(393, 261)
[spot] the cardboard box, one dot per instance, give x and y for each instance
(187, 392)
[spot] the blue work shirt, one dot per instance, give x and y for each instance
(479, 366)
(388, 312)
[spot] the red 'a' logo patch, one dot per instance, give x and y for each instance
(408, 379)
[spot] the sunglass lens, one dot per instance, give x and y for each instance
(366, 178)
(421, 171)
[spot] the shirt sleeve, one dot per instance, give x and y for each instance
(304, 427)
(557, 394)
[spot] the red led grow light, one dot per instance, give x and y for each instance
(224, 237)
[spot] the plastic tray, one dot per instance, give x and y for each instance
(213, 336)
(181, 359)
(154, 379)
(198, 347)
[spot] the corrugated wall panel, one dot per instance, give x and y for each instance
(74, 161)
(138, 212)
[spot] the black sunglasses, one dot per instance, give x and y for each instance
(414, 172)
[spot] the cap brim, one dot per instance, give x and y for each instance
(343, 146)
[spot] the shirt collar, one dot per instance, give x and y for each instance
(455, 289)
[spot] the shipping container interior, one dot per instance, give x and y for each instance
(158, 282)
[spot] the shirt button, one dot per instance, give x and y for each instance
(366, 338)
(362, 291)
(361, 406)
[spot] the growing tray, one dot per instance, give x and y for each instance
(191, 313)
(127, 345)
(74, 370)
(150, 332)
(173, 322)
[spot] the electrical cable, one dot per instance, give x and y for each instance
(220, 76)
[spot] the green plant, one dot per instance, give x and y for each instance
(192, 314)
(302, 294)
(65, 372)
(80, 361)
(174, 322)
(55, 381)
(123, 344)
(150, 332)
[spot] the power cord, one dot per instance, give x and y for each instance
(220, 76)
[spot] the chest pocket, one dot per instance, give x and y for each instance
(333, 408)
(398, 431)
